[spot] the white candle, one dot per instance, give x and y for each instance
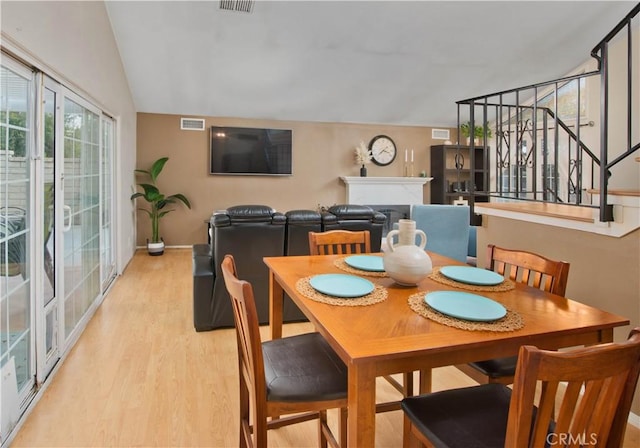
(412, 156)
(406, 152)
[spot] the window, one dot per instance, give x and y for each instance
(567, 100)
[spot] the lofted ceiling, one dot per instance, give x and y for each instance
(384, 62)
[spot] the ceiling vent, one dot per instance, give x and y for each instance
(237, 5)
(440, 134)
(192, 124)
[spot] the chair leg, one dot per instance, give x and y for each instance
(245, 434)
(408, 384)
(408, 439)
(260, 426)
(260, 433)
(326, 436)
(342, 427)
(322, 424)
(245, 425)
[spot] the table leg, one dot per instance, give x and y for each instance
(362, 406)
(606, 335)
(276, 300)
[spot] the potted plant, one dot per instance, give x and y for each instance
(478, 132)
(158, 202)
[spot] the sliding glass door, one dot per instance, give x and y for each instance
(16, 237)
(107, 218)
(80, 185)
(48, 344)
(57, 235)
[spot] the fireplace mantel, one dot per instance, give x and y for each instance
(385, 190)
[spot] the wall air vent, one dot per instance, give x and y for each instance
(192, 124)
(440, 134)
(237, 5)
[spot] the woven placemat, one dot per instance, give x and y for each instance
(507, 285)
(511, 322)
(342, 265)
(378, 294)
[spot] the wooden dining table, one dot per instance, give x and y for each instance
(389, 337)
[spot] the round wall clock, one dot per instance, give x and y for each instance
(383, 150)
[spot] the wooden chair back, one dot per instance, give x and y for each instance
(339, 242)
(527, 267)
(595, 405)
(250, 361)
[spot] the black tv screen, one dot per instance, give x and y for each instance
(250, 151)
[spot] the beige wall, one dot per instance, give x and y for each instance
(322, 152)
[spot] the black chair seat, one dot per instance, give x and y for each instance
(473, 417)
(303, 368)
(497, 368)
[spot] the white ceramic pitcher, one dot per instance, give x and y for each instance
(405, 262)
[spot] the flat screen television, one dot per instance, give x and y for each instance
(250, 151)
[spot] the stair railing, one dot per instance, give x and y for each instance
(541, 148)
(537, 156)
(601, 53)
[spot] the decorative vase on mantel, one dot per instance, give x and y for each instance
(363, 171)
(406, 262)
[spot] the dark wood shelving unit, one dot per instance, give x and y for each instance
(460, 172)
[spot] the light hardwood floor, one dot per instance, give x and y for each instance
(141, 376)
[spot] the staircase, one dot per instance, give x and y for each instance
(560, 151)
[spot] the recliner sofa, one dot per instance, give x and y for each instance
(355, 217)
(251, 232)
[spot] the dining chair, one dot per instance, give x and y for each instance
(335, 242)
(530, 268)
(284, 381)
(520, 266)
(592, 388)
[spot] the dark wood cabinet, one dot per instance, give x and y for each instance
(460, 173)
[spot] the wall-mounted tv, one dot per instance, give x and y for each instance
(250, 151)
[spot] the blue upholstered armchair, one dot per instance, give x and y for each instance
(472, 252)
(446, 227)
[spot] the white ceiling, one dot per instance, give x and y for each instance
(385, 62)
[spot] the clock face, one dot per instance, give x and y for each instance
(383, 150)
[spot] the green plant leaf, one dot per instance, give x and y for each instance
(180, 197)
(142, 172)
(478, 131)
(464, 129)
(151, 192)
(156, 168)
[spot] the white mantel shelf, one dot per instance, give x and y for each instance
(385, 190)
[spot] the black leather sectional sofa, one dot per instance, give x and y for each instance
(251, 232)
